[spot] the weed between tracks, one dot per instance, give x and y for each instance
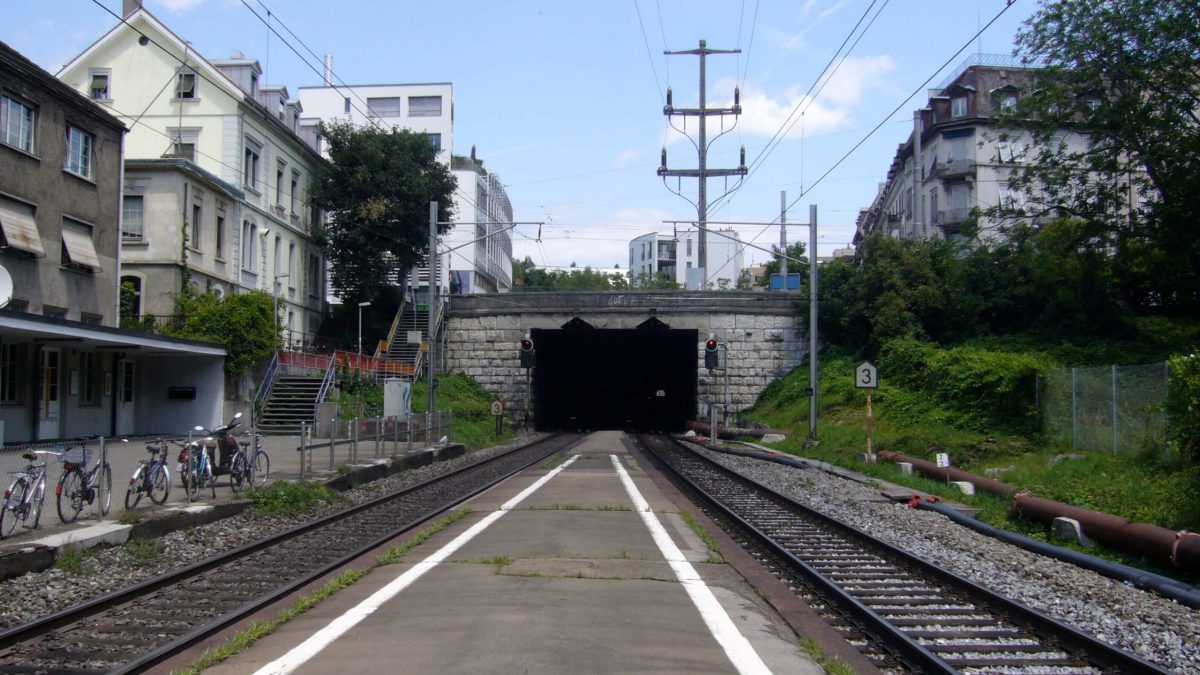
(716, 558)
(260, 629)
(831, 664)
(284, 498)
(73, 561)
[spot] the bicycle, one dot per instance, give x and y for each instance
(249, 468)
(78, 485)
(151, 477)
(196, 470)
(25, 496)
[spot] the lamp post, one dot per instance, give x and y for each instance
(275, 299)
(360, 306)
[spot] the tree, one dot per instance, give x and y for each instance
(774, 265)
(376, 190)
(244, 323)
(1126, 75)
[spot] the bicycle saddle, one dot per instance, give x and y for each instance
(29, 456)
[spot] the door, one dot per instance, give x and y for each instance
(49, 392)
(124, 397)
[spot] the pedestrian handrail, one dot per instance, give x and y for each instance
(328, 378)
(392, 331)
(268, 381)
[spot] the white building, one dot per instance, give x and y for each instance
(963, 160)
(232, 205)
(677, 259)
(480, 244)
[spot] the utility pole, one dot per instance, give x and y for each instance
(703, 172)
(433, 298)
(783, 236)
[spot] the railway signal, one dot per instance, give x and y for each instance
(528, 354)
(710, 353)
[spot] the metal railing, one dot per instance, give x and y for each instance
(346, 438)
(392, 331)
(980, 59)
(328, 379)
(264, 387)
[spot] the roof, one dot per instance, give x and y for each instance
(13, 61)
(185, 166)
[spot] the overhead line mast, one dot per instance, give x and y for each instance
(703, 172)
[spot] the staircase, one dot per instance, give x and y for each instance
(292, 400)
(411, 320)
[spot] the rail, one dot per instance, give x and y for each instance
(392, 331)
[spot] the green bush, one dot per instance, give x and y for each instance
(1183, 404)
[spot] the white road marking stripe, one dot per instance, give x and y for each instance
(306, 650)
(736, 646)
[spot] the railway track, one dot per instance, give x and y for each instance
(133, 629)
(900, 610)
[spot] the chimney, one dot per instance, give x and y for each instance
(130, 6)
(329, 70)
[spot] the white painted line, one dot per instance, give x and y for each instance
(736, 646)
(306, 650)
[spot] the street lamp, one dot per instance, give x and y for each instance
(360, 306)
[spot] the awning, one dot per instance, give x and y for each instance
(80, 247)
(20, 227)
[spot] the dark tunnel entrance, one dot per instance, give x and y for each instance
(643, 379)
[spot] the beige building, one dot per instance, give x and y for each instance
(218, 175)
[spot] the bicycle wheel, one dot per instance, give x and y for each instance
(14, 507)
(70, 495)
(191, 480)
(160, 483)
(36, 500)
(210, 479)
(105, 484)
(133, 494)
(262, 466)
(237, 472)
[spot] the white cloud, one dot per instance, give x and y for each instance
(627, 158)
(764, 113)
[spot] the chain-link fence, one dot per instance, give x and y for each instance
(1113, 408)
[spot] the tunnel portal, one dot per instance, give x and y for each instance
(641, 379)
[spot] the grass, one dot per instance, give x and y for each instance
(144, 551)
(131, 517)
(470, 403)
(260, 629)
(704, 535)
(284, 498)
(832, 665)
(72, 560)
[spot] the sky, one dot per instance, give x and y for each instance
(563, 99)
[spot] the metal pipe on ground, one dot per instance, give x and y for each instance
(1179, 549)
(728, 433)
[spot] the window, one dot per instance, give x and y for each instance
(185, 84)
(127, 382)
(280, 171)
(291, 270)
(220, 249)
(314, 275)
(958, 106)
(194, 242)
(18, 228)
(98, 83)
(249, 236)
(278, 257)
(295, 193)
(346, 105)
(79, 152)
(16, 124)
(383, 107)
(253, 84)
(424, 106)
(131, 298)
(435, 140)
(250, 165)
(1091, 102)
(132, 218)
(184, 142)
(1008, 103)
(10, 373)
(689, 248)
(78, 249)
(89, 378)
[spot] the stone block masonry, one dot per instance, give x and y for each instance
(760, 330)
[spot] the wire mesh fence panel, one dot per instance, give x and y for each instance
(1106, 408)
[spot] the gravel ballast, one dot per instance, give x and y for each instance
(1143, 623)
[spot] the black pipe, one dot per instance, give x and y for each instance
(1171, 588)
(1165, 586)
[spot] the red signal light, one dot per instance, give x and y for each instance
(526, 345)
(711, 345)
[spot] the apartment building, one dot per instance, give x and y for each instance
(957, 162)
(65, 369)
(677, 258)
(479, 246)
(217, 174)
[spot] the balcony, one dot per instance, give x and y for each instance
(951, 220)
(953, 169)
